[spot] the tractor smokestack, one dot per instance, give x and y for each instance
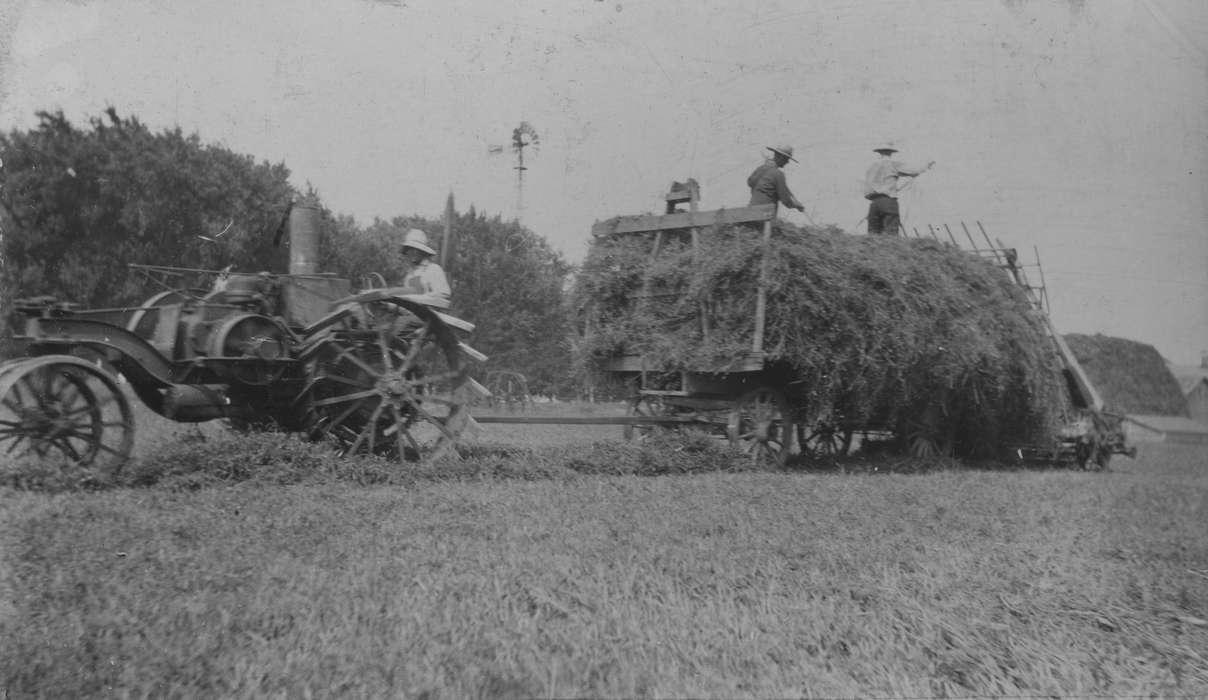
(304, 237)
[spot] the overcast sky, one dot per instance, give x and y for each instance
(1077, 127)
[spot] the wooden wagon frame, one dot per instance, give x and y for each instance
(743, 400)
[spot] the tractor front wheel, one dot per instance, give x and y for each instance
(62, 407)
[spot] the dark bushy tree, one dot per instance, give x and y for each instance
(354, 252)
(510, 282)
(79, 205)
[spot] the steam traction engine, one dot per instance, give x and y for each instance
(379, 371)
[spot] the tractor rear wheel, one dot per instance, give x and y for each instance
(389, 382)
(62, 407)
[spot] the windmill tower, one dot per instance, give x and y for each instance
(523, 136)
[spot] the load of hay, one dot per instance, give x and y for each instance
(1130, 377)
(894, 333)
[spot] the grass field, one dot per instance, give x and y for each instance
(558, 562)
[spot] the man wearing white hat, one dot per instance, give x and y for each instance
(423, 275)
(881, 187)
(767, 181)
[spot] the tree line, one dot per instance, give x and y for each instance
(79, 204)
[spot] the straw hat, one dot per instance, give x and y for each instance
(786, 151)
(417, 239)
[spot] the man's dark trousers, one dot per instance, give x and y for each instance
(883, 217)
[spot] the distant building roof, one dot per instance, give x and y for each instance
(1188, 376)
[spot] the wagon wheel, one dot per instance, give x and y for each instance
(825, 437)
(1094, 450)
(388, 384)
(644, 405)
(924, 436)
(509, 390)
(59, 406)
(761, 425)
(1102, 459)
(1090, 455)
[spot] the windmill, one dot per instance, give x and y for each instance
(523, 136)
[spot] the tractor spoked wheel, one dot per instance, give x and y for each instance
(761, 425)
(62, 407)
(389, 383)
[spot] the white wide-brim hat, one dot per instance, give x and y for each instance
(417, 239)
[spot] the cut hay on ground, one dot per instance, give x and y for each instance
(891, 332)
(1131, 377)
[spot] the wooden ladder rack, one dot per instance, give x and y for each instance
(1008, 259)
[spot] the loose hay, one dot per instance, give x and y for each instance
(1131, 377)
(905, 334)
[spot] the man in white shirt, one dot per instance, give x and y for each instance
(423, 275)
(881, 187)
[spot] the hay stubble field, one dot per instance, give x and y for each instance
(560, 562)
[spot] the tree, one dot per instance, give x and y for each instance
(353, 252)
(6, 297)
(78, 205)
(510, 282)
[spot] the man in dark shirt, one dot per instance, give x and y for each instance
(767, 182)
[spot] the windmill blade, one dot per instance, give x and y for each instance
(524, 135)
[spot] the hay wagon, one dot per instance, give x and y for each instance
(752, 397)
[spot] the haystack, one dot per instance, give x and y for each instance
(1131, 377)
(883, 330)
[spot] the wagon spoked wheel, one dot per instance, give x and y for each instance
(761, 425)
(923, 435)
(389, 384)
(61, 407)
(825, 438)
(644, 405)
(509, 390)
